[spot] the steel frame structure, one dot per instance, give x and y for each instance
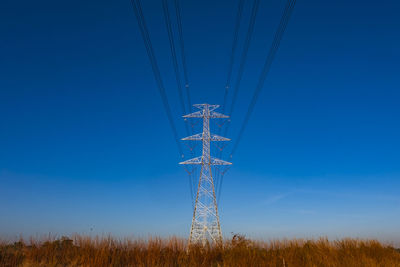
(205, 223)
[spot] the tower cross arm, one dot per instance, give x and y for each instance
(215, 115)
(196, 137)
(195, 161)
(197, 114)
(199, 137)
(215, 161)
(215, 137)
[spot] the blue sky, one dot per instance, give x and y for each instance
(85, 145)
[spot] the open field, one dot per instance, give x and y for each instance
(107, 251)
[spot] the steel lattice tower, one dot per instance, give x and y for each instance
(205, 222)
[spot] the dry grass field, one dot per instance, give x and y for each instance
(98, 252)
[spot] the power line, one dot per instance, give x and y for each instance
(249, 34)
(183, 56)
(222, 174)
(174, 58)
(232, 57)
(243, 59)
(267, 65)
(191, 183)
(178, 76)
(137, 8)
(229, 76)
(150, 51)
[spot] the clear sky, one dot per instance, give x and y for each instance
(85, 145)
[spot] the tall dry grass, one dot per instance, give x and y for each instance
(239, 251)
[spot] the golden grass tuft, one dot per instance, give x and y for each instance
(107, 251)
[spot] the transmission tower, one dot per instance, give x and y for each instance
(205, 223)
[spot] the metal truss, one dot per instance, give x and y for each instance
(205, 223)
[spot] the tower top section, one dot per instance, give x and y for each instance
(206, 111)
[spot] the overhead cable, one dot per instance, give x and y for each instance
(267, 65)
(233, 51)
(178, 76)
(174, 58)
(183, 56)
(243, 59)
(137, 8)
